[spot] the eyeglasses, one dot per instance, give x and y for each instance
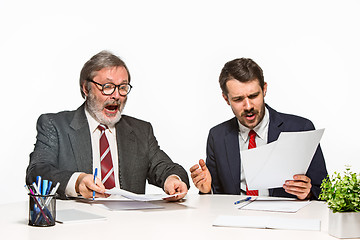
(109, 88)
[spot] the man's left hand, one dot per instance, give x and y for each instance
(300, 186)
(174, 185)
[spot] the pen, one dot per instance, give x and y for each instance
(36, 188)
(38, 182)
(44, 187)
(48, 188)
(95, 175)
(242, 200)
(53, 191)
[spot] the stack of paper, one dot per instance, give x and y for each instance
(269, 166)
(138, 197)
(268, 222)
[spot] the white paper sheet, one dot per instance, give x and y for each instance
(127, 205)
(76, 216)
(268, 222)
(269, 166)
(274, 206)
(138, 197)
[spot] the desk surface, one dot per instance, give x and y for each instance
(190, 219)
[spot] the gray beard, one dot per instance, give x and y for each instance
(95, 110)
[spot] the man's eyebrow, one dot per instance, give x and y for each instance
(237, 97)
(254, 94)
(249, 96)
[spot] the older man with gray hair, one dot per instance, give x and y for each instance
(70, 145)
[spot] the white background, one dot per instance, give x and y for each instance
(309, 52)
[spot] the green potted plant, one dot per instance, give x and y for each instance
(342, 194)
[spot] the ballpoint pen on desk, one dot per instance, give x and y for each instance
(95, 175)
(244, 200)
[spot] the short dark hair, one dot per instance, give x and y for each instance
(99, 61)
(241, 69)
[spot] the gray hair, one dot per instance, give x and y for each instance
(103, 59)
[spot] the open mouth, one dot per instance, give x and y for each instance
(112, 108)
(250, 116)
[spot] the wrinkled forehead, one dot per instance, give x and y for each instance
(112, 74)
(237, 88)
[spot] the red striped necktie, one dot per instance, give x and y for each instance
(107, 169)
(252, 144)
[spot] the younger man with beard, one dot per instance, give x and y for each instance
(69, 143)
(255, 124)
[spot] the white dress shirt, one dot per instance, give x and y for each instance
(261, 139)
(95, 144)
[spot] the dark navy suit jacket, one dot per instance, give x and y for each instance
(223, 154)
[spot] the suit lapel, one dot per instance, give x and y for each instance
(127, 151)
(81, 141)
(233, 154)
(275, 125)
(275, 128)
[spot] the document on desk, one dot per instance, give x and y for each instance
(138, 197)
(268, 222)
(289, 205)
(76, 216)
(269, 166)
(127, 205)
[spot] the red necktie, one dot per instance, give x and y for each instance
(107, 169)
(252, 144)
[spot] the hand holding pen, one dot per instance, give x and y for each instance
(85, 186)
(95, 176)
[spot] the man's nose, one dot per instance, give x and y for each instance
(116, 95)
(247, 104)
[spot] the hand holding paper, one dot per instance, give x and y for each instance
(300, 186)
(173, 185)
(269, 166)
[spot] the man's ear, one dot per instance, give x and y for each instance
(226, 98)
(265, 88)
(85, 90)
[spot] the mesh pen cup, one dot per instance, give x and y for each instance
(42, 210)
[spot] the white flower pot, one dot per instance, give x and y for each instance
(344, 224)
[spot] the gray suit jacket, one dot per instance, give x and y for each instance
(63, 146)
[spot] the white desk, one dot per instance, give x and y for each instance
(190, 219)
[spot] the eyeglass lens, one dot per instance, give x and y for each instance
(109, 89)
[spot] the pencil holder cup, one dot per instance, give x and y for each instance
(42, 210)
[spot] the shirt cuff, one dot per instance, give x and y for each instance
(174, 176)
(70, 187)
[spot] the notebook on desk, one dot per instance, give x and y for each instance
(76, 216)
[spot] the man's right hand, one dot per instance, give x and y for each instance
(201, 176)
(85, 186)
